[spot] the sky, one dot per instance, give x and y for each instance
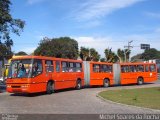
(98, 24)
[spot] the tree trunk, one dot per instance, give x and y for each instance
(3, 68)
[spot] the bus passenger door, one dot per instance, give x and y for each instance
(147, 73)
(125, 77)
(49, 69)
(153, 73)
(132, 74)
(58, 76)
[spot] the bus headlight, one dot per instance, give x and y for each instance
(8, 86)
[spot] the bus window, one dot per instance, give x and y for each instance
(104, 68)
(37, 68)
(57, 66)
(64, 66)
(124, 68)
(109, 68)
(78, 67)
(71, 67)
(21, 68)
(147, 68)
(49, 66)
(152, 68)
(96, 68)
(132, 68)
(140, 68)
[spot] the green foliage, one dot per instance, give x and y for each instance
(110, 56)
(63, 47)
(87, 54)
(4, 52)
(136, 58)
(147, 55)
(7, 25)
(143, 97)
(123, 55)
(21, 53)
(151, 54)
(84, 54)
(103, 60)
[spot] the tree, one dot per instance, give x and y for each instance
(127, 53)
(84, 54)
(3, 50)
(21, 53)
(151, 54)
(8, 25)
(110, 56)
(103, 60)
(87, 54)
(63, 47)
(136, 58)
(121, 55)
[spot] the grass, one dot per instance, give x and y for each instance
(143, 97)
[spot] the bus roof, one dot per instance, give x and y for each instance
(43, 57)
(92, 62)
(136, 63)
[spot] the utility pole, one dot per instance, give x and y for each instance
(128, 49)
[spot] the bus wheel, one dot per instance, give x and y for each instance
(50, 87)
(106, 83)
(140, 81)
(78, 85)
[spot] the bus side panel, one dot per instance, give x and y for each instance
(96, 79)
(61, 80)
(39, 83)
(130, 77)
(150, 76)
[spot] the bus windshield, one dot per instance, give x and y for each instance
(25, 68)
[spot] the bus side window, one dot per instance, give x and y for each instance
(132, 68)
(103, 68)
(71, 67)
(37, 68)
(64, 66)
(124, 68)
(152, 68)
(49, 66)
(78, 67)
(140, 68)
(96, 68)
(147, 68)
(109, 68)
(57, 66)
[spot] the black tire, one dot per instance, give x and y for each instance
(140, 81)
(106, 83)
(50, 87)
(78, 85)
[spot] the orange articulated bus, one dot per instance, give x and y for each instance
(31, 74)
